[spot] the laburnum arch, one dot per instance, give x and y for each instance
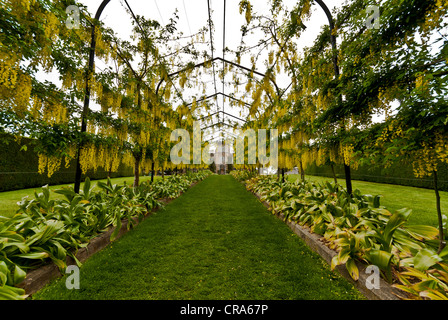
(333, 92)
(90, 84)
(85, 109)
(266, 76)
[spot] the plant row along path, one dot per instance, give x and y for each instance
(217, 241)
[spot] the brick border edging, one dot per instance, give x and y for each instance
(36, 279)
(314, 242)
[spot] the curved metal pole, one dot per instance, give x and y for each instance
(247, 105)
(347, 171)
(332, 36)
(224, 61)
(85, 109)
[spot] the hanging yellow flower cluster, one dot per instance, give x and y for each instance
(435, 18)
(22, 93)
(8, 71)
(87, 158)
(71, 154)
(15, 85)
(146, 165)
(110, 158)
(49, 163)
(441, 146)
(183, 79)
(93, 157)
(333, 155)
(307, 158)
(427, 157)
(17, 6)
(422, 84)
(425, 161)
(51, 26)
(347, 152)
(128, 160)
(52, 112)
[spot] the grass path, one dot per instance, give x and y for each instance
(215, 242)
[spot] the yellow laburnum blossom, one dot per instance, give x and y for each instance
(22, 93)
(54, 163)
(271, 57)
(347, 153)
(51, 26)
(441, 147)
(71, 154)
(51, 163)
(8, 71)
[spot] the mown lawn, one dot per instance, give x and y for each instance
(215, 242)
(421, 201)
(9, 199)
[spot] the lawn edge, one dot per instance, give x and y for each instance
(315, 243)
(38, 278)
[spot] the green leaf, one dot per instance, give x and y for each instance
(4, 272)
(433, 295)
(19, 275)
(382, 259)
(422, 232)
(352, 269)
(396, 220)
(34, 255)
(117, 228)
(12, 293)
(425, 259)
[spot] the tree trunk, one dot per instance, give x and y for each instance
(442, 242)
(152, 172)
(334, 173)
(78, 172)
(348, 179)
(136, 171)
(302, 172)
(163, 173)
(283, 175)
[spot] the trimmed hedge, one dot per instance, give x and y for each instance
(400, 173)
(18, 168)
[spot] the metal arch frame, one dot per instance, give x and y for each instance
(347, 170)
(218, 93)
(85, 108)
(211, 61)
(217, 123)
(90, 70)
(223, 112)
(246, 104)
